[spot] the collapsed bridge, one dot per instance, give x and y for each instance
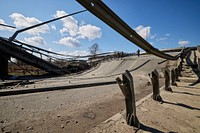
(13, 48)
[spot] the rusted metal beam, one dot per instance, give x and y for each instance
(12, 50)
(4, 65)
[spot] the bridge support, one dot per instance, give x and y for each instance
(4, 65)
(127, 89)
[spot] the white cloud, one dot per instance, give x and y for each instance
(75, 53)
(75, 31)
(36, 40)
(144, 32)
(183, 43)
(82, 23)
(153, 36)
(162, 39)
(3, 27)
(89, 31)
(167, 34)
(69, 41)
(21, 21)
(69, 23)
(53, 27)
(49, 49)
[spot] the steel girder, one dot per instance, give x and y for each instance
(104, 13)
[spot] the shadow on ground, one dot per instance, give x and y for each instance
(150, 129)
(194, 66)
(181, 105)
(186, 93)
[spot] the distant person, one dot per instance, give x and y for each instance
(138, 52)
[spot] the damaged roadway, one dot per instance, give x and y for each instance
(80, 109)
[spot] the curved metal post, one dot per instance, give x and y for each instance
(127, 88)
(155, 82)
(173, 77)
(167, 80)
(177, 74)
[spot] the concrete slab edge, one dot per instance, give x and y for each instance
(36, 90)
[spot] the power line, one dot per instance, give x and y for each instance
(33, 26)
(8, 26)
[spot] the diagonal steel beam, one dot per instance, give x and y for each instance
(104, 13)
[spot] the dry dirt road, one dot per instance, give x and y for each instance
(76, 110)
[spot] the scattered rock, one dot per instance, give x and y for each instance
(144, 109)
(62, 126)
(148, 83)
(2, 129)
(30, 128)
(8, 132)
(22, 108)
(2, 121)
(67, 121)
(90, 115)
(76, 121)
(161, 75)
(58, 115)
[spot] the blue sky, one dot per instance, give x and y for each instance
(163, 23)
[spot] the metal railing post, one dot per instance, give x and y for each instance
(179, 70)
(167, 80)
(155, 82)
(127, 88)
(173, 77)
(177, 74)
(199, 64)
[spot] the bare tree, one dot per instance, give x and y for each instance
(94, 49)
